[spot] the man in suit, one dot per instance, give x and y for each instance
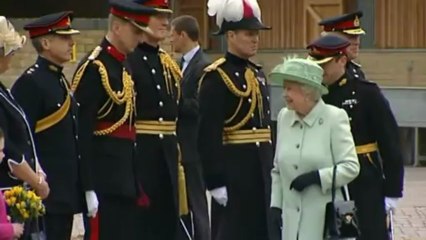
(43, 93)
(184, 38)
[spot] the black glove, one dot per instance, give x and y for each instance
(276, 222)
(305, 180)
(276, 216)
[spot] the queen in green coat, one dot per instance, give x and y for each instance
(312, 137)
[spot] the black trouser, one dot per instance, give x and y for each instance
(58, 226)
(116, 219)
(31, 228)
(367, 192)
(197, 201)
(159, 221)
(86, 223)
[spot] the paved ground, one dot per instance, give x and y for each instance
(410, 217)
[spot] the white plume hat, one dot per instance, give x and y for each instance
(236, 14)
(10, 40)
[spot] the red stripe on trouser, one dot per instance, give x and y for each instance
(94, 227)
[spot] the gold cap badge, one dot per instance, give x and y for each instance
(356, 21)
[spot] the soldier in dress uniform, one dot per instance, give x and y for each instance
(157, 82)
(348, 25)
(52, 115)
(379, 185)
(103, 87)
(235, 128)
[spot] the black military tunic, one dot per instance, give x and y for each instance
(104, 89)
(374, 129)
(19, 144)
(43, 91)
(157, 83)
(235, 146)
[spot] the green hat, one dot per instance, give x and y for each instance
(299, 70)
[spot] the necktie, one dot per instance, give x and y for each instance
(182, 61)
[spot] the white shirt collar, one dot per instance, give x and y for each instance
(189, 55)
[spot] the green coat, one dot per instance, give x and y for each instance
(314, 143)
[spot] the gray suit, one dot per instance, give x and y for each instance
(187, 134)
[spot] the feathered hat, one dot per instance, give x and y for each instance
(236, 14)
(10, 40)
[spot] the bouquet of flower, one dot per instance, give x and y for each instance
(23, 204)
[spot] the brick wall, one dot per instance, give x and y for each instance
(86, 41)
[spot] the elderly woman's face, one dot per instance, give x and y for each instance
(294, 96)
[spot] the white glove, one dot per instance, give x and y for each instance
(220, 195)
(92, 203)
(391, 203)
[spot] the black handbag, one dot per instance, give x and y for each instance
(341, 221)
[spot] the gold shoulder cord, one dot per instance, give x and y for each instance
(171, 69)
(210, 68)
(252, 91)
(125, 96)
(82, 68)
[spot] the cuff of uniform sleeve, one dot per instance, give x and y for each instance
(391, 193)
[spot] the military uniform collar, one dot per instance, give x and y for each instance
(235, 59)
(312, 116)
(44, 63)
(352, 62)
(149, 48)
(113, 51)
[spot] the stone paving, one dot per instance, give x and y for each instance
(409, 219)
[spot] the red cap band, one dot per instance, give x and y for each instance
(136, 17)
(350, 24)
(64, 23)
(156, 3)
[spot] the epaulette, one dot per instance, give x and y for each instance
(95, 53)
(355, 63)
(215, 65)
(164, 52)
(31, 69)
(81, 69)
